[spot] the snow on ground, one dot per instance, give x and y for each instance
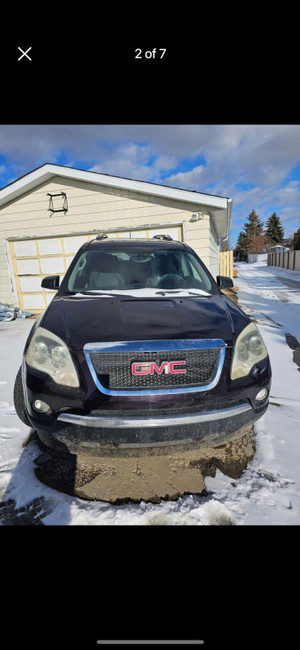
(268, 491)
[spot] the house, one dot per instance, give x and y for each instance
(46, 215)
(278, 248)
(263, 255)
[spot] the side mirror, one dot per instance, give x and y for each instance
(50, 282)
(224, 282)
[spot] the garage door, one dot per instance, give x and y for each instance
(33, 259)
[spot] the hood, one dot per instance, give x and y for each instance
(91, 320)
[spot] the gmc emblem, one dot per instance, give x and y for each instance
(151, 368)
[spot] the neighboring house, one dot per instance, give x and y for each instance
(263, 256)
(46, 215)
(277, 249)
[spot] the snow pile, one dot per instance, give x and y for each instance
(216, 514)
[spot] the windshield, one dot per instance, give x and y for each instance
(117, 270)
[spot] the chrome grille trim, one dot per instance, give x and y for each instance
(156, 345)
(116, 368)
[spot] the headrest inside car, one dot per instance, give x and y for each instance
(104, 263)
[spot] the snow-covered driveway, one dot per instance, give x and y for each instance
(271, 296)
(267, 492)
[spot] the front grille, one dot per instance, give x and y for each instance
(113, 369)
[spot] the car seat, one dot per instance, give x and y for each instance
(104, 273)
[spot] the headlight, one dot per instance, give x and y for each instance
(249, 349)
(49, 353)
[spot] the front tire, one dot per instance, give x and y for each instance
(19, 399)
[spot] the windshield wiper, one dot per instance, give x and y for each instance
(191, 293)
(100, 293)
(126, 293)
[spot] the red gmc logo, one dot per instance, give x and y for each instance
(151, 368)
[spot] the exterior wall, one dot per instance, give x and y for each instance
(6, 289)
(202, 238)
(257, 257)
(95, 207)
(214, 255)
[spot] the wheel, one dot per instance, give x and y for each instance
(19, 399)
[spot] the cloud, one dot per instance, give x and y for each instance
(260, 154)
(187, 180)
(253, 164)
(129, 161)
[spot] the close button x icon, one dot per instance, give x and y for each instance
(24, 53)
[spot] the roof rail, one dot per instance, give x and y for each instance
(102, 236)
(162, 237)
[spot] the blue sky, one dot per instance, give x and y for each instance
(258, 166)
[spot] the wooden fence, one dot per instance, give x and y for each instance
(226, 263)
(289, 260)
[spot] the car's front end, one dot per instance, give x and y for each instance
(115, 372)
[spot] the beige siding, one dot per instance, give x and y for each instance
(213, 251)
(202, 238)
(6, 293)
(94, 207)
(90, 206)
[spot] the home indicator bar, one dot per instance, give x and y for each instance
(148, 642)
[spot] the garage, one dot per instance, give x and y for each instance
(46, 215)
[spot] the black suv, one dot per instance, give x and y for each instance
(139, 349)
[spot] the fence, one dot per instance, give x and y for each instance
(226, 263)
(289, 260)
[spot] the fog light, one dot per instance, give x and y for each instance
(262, 394)
(40, 406)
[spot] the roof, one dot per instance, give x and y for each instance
(219, 207)
(278, 247)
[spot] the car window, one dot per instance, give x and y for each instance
(197, 271)
(137, 268)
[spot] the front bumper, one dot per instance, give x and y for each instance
(97, 435)
(85, 421)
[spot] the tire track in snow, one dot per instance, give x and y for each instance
(254, 280)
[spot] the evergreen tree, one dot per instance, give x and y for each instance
(255, 226)
(297, 240)
(254, 233)
(241, 248)
(274, 230)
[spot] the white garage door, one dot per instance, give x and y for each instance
(33, 259)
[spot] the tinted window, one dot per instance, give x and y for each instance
(138, 269)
